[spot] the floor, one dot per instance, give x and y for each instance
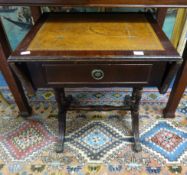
(98, 143)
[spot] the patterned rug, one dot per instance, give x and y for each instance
(96, 143)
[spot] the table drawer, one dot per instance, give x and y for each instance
(55, 74)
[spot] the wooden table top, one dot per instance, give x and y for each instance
(133, 32)
(74, 36)
(104, 3)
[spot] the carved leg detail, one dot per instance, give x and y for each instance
(62, 109)
(136, 97)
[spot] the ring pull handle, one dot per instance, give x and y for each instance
(97, 74)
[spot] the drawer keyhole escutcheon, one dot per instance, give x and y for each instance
(97, 74)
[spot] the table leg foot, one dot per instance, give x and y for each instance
(26, 114)
(167, 114)
(137, 147)
(59, 147)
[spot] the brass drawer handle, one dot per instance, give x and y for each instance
(97, 74)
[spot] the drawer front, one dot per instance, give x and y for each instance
(57, 74)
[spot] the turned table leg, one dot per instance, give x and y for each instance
(136, 97)
(12, 81)
(178, 89)
(62, 109)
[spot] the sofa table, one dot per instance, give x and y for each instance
(95, 50)
(35, 5)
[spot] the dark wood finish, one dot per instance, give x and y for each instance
(99, 108)
(62, 109)
(136, 97)
(13, 82)
(63, 103)
(58, 74)
(84, 73)
(99, 3)
(178, 89)
(161, 15)
(35, 12)
(169, 74)
(23, 79)
(131, 103)
(99, 68)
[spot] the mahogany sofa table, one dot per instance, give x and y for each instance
(96, 50)
(5, 50)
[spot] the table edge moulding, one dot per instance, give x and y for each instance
(98, 3)
(92, 68)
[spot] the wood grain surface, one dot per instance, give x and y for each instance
(133, 32)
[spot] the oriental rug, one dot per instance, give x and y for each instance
(96, 143)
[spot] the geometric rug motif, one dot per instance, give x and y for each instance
(26, 140)
(122, 161)
(97, 140)
(166, 141)
(93, 96)
(183, 105)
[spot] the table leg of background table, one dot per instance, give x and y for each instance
(35, 12)
(161, 15)
(12, 81)
(178, 89)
